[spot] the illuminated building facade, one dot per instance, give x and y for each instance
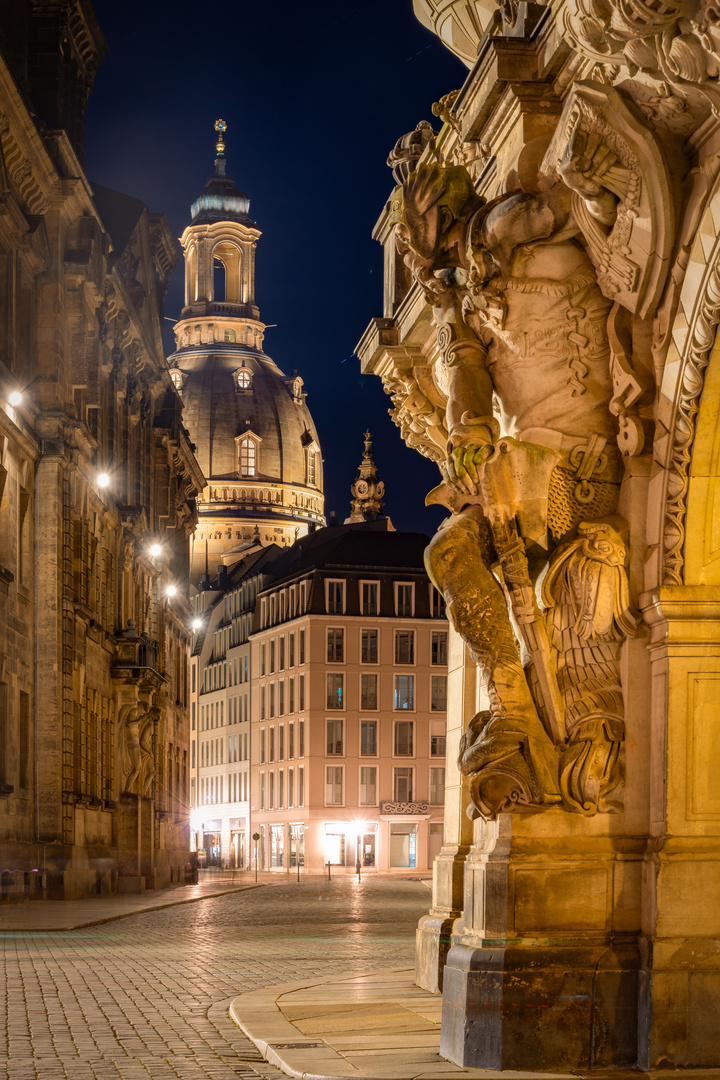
(97, 487)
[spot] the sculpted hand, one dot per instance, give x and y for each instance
(586, 161)
(462, 465)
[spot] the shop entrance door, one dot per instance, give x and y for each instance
(368, 849)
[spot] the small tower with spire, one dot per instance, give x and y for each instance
(367, 490)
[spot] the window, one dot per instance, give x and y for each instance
(272, 700)
(177, 379)
(248, 457)
(438, 647)
(281, 789)
(262, 746)
(334, 691)
(404, 691)
(301, 693)
(271, 744)
(291, 695)
(302, 647)
(262, 659)
(437, 604)
(291, 787)
(404, 646)
(437, 787)
(368, 738)
(271, 791)
(243, 380)
(262, 790)
(281, 654)
(334, 737)
(312, 468)
(438, 693)
(281, 742)
(368, 691)
(437, 745)
(335, 646)
(369, 597)
(368, 785)
(272, 656)
(369, 647)
(291, 650)
(335, 597)
(333, 785)
(291, 741)
(404, 600)
(403, 742)
(301, 787)
(281, 697)
(230, 336)
(301, 739)
(403, 785)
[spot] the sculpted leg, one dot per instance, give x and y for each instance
(512, 761)
(589, 613)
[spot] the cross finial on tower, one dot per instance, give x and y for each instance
(221, 128)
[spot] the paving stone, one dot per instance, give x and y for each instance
(146, 997)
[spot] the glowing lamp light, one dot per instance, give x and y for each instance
(155, 550)
(196, 820)
(103, 480)
(15, 398)
(196, 624)
(171, 590)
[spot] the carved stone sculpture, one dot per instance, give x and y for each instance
(136, 754)
(533, 296)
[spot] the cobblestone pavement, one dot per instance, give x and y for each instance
(146, 997)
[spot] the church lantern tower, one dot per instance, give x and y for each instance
(367, 491)
(255, 438)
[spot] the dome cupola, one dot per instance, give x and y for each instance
(255, 439)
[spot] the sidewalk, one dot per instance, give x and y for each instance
(51, 915)
(377, 1026)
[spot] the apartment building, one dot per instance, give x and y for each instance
(348, 714)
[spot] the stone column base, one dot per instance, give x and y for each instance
(541, 1007)
(432, 942)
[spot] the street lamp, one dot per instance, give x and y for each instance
(15, 398)
(196, 624)
(103, 480)
(155, 550)
(256, 837)
(358, 826)
(171, 590)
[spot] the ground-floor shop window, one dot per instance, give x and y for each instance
(403, 844)
(297, 845)
(277, 845)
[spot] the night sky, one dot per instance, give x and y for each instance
(315, 95)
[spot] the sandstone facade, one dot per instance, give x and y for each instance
(96, 468)
(549, 339)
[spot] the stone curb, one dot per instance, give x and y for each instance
(27, 929)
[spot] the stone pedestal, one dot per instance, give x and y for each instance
(546, 1007)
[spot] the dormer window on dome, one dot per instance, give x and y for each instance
(248, 451)
(243, 380)
(177, 378)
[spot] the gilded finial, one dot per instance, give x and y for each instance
(221, 128)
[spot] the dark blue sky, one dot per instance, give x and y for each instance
(315, 94)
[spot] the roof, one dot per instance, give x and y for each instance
(119, 214)
(353, 547)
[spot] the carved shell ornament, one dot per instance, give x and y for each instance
(666, 42)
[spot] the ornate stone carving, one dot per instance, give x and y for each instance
(673, 45)
(406, 808)
(523, 344)
(136, 758)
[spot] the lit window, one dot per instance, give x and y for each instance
(368, 785)
(334, 691)
(177, 379)
(248, 457)
(404, 691)
(242, 377)
(230, 335)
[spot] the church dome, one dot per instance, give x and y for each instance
(255, 439)
(231, 393)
